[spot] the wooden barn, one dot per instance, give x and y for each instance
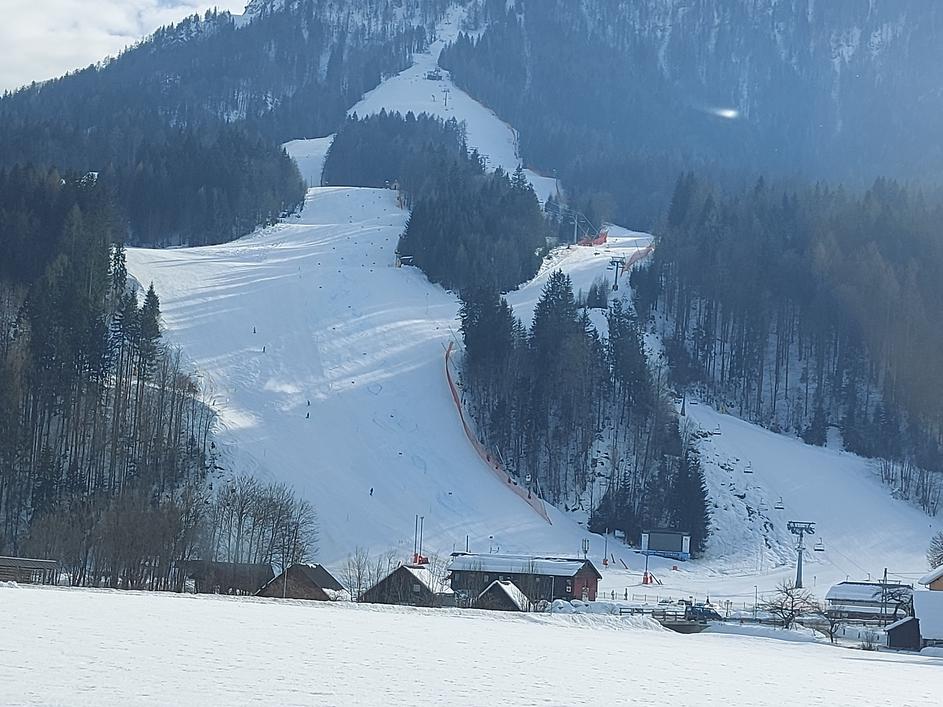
(27, 570)
(211, 577)
(303, 581)
(539, 578)
(409, 585)
(503, 595)
(868, 601)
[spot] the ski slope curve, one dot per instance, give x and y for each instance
(312, 310)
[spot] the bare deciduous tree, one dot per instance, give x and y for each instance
(789, 602)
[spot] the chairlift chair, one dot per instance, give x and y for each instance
(780, 506)
(748, 469)
(819, 546)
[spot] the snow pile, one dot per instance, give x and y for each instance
(9, 585)
(798, 634)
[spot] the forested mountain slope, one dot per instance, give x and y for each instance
(184, 126)
(629, 93)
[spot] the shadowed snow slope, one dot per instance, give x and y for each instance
(56, 649)
(336, 324)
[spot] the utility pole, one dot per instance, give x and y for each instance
(801, 529)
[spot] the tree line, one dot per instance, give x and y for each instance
(804, 309)
(580, 418)
(185, 126)
(468, 227)
(106, 451)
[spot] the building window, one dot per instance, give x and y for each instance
(415, 589)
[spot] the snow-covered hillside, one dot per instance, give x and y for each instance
(313, 310)
(160, 649)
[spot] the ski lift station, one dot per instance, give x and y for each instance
(665, 542)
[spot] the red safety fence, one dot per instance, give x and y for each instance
(531, 499)
(599, 239)
(637, 256)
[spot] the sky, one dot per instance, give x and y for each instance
(42, 39)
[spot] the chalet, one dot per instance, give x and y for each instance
(26, 570)
(410, 585)
(211, 577)
(934, 580)
(928, 610)
(866, 601)
(904, 635)
(302, 581)
(503, 595)
(539, 578)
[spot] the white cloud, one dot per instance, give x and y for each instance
(42, 39)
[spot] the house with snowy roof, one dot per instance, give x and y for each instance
(928, 610)
(539, 578)
(868, 600)
(304, 581)
(410, 585)
(934, 580)
(503, 595)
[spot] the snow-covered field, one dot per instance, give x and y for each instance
(86, 647)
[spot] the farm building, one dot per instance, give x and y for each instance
(539, 578)
(26, 570)
(224, 577)
(410, 585)
(303, 581)
(503, 595)
(934, 580)
(666, 542)
(904, 635)
(928, 609)
(868, 600)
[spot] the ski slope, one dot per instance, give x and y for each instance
(411, 91)
(364, 342)
(310, 154)
(167, 649)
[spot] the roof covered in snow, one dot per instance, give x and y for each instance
(932, 576)
(860, 591)
(517, 597)
(434, 584)
(928, 607)
(519, 564)
(898, 623)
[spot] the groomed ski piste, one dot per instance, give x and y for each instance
(364, 342)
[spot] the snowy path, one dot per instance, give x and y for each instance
(82, 647)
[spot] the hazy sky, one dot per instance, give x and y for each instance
(42, 39)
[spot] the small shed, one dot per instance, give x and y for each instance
(928, 608)
(304, 581)
(410, 585)
(503, 595)
(28, 570)
(934, 580)
(904, 635)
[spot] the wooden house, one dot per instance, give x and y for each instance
(211, 577)
(539, 578)
(503, 595)
(934, 580)
(303, 581)
(410, 585)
